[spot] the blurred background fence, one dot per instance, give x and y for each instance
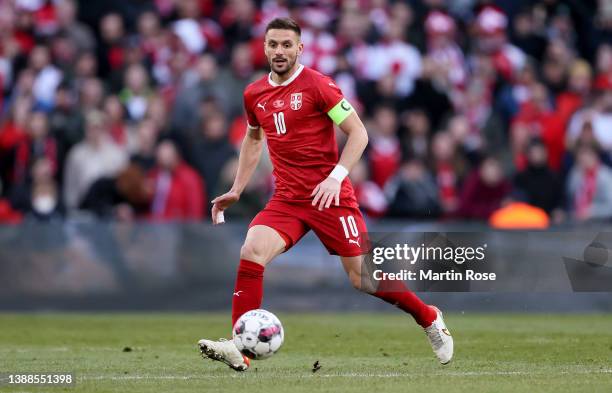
(119, 266)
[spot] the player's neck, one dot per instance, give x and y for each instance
(280, 79)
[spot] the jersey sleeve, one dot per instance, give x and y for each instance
(252, 121)
(333, 102)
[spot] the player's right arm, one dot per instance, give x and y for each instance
(250, 152)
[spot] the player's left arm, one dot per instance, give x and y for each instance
(346, 118)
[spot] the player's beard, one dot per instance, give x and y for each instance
(283, 68)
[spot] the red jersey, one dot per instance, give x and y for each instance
(300, 135)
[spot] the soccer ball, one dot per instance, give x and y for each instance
(258, 334)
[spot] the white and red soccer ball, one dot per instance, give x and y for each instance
(258, 334)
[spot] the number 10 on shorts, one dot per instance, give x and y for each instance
(348, 222)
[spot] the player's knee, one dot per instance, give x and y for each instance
(254, 252)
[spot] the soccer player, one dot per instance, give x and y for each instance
(295, 108)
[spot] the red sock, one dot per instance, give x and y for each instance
(396, 293)
(248, 290)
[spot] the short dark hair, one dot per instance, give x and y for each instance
(284, 24)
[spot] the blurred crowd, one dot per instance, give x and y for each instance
(476, 110)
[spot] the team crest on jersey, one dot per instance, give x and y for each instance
(296, 101)
(278, 104)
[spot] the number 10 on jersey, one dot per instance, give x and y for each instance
(279, 122)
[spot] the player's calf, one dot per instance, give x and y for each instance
(357, 274)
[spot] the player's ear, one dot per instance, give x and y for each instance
(300, 47)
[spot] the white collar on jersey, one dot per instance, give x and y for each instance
(285, 83)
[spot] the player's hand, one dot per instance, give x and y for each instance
(221, 203)
(326, 192)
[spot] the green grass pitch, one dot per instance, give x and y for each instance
(357, 353)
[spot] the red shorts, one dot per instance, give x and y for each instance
(341, 229)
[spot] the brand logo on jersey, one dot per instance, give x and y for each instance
(278, 104)
(296, 101)
(262, 106)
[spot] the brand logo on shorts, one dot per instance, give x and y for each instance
(296, 101)
(354, 242)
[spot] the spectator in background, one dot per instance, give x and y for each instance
(11, 47)
(396, 57)
(39, 197)
(599, 115)
(146, 138)
(534, 116)
(370, 196)
(65, 124)
(238, 19)
(136, 93)
(384, 149)
(576, 95)
(64, 54)
(448, 167)
(77, 32)
(200, 84)
(133, 55)
(236, 77)
(526, 35)
(157, 112)
(85, 67)
(537, 184)
(475, 105)
(603, 79)
(91, 96)
(93, 158)
(118, 129)
(23, 88)
(484, 190)
(149, 31)
(413, 192)
(124, 196)
(177, 190)
(47, 77)
(444, 54)
(491, 40)
(589, 186)
(320, 45)
(110, 47)
(416, 137)
(515, 95)
(210, 152)
(37, 144)
(432, 92)
(13, 133)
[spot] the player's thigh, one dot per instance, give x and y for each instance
(341, 229)
(262, 244)
(274, 230)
